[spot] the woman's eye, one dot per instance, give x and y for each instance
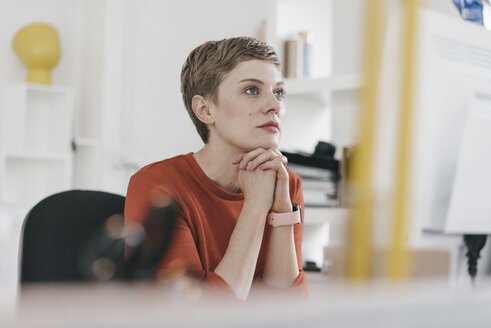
(280, 93)
(252, 91)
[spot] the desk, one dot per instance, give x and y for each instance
(423, 304)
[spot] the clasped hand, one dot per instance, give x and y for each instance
(263, 178)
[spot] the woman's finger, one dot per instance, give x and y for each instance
(277, 152)
(238, 159)
(253, 159)
(268, 155)
(247, 157)
(274, 164)
(284, 160)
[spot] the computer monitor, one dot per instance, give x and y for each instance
(451, 129)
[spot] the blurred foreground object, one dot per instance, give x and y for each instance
(427, 263)
(429, 303)
(147, 244)
(38, 47)
(361, 180)
(398, 260)
(450, 154)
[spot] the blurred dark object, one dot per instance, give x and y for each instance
(311, 267)
(147, 246)
(474, 244)
(322, 158)
(319, 173)
(101, 255)
(56, 231)
(324, 149)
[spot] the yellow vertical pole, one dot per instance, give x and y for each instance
(360, 230)
(398, 255)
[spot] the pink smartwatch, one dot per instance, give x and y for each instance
(282, 219)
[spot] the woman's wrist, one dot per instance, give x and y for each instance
(260, 209)
(283, 207)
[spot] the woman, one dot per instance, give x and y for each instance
(233, 92)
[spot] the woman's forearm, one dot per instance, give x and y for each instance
(281, 268)
(239, 262)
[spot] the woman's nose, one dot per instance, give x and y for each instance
(273, 104)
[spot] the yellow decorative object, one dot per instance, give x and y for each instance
(38, 47)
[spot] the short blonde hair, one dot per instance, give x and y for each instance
(207, 64)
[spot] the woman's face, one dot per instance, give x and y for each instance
(249, 106)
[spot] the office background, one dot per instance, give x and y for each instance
(122, 59)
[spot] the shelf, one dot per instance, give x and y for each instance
(40, 156)
(37, 158)
(46, 88)
(348, 82)
(86, 142)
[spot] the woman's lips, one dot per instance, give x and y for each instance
(270, 128)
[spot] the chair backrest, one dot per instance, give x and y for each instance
(62, 229)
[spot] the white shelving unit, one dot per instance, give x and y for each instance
(37, 118)
(288, 17)
(35, 152)
(37, 158)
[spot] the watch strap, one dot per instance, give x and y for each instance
(281, 219)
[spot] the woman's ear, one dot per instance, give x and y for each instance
(201, 109)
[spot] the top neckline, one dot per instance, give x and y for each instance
(207, 182)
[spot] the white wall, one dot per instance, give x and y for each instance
(123, 59)
(158, 37)
(63, 15)
(165, 32)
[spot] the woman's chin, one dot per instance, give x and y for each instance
(269, 144)
(266, 144)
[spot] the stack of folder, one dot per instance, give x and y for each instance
(319, 173)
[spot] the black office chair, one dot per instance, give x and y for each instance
(73, 236)
(78, 236)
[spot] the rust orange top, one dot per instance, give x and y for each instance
(207, 215)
